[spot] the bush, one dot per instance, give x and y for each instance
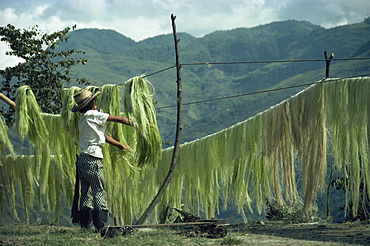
(288, 214)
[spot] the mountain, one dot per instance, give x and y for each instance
(114, 58)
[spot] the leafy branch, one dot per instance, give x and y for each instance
(44, 69)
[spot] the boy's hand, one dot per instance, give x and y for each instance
(132, 122)
(123, 147)
(114, 142)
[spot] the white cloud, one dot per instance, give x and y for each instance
(140, 19)
(326, 13)
(7, 61)
(7, 15)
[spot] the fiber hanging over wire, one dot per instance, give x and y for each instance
(139, 107)
(50, 170)
(348, 115)
(120, 167)
(28, 118)
(244, 164)
(110, 102)
(5, 144)
(265, 150)
(69, 119)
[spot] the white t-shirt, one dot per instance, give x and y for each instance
(92, 132)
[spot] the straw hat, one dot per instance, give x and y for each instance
(82, 98)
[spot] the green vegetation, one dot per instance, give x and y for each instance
(287, 214)
(56, 235)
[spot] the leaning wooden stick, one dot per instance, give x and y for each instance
(7, 100)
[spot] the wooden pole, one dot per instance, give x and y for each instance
(178, 132)
(328, 60)
(7, 100)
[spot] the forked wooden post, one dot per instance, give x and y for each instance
(178, 132)
(328, 60)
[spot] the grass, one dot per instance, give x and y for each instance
(231, 241)
(57, 235)
(255, 234)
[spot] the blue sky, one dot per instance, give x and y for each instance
(140, 19)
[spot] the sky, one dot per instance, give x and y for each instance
(141, 19)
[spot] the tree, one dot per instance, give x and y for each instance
(44, 69)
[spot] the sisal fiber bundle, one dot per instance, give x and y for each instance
(5, 143)
(120, 171)
(347, 110)
(244, 164)
(69, 119)
(291, 137)
(28, 117)
(8, 182)
(139, 107)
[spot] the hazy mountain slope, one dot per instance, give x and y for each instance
(114, 58)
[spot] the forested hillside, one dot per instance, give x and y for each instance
(114, 58)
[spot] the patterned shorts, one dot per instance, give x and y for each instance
(93, 195)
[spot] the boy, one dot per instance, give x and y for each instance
(92, 137)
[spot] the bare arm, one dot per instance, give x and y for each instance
(114, 142)
(119, 119)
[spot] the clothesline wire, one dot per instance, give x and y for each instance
(246, 62)
(273, 61)
(256, 62)
(165, 69)
(264, 91)
(238, 62)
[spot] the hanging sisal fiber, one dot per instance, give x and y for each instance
(51, 168)
(259, 158)
(70, 119)
(5, 144)
(28, 116)
(139, 107)
(245, 164)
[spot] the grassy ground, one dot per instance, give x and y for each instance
(56, 235)
(243, 234)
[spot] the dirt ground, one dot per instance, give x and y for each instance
(260, 233)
